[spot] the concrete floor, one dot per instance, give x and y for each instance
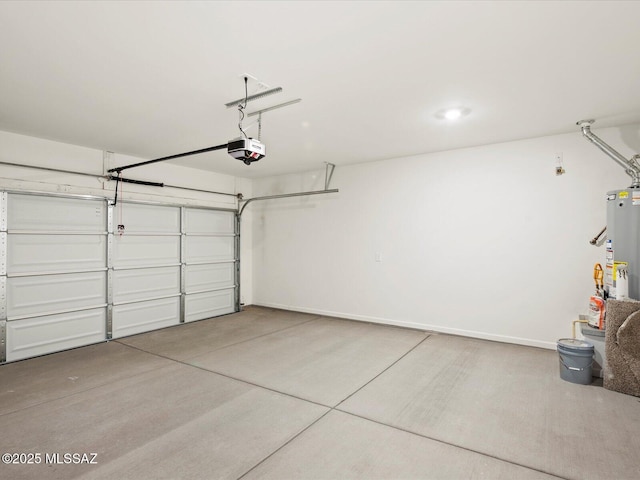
(268, 394)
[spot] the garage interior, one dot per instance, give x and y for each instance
(376, 290)
(273, 394)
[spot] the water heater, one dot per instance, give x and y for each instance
(623, 241)
(621, 279)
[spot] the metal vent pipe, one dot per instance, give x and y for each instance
(630, 166)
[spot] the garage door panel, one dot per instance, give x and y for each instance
(145, 283)
(209, 276)
(48, 294)
(55, 253)
(141, 317)
(148, 218)
(145, 251)
(31, 212)
(66, 276)
(38, 336)
(199, 306)
(205, 249)
(209, 221)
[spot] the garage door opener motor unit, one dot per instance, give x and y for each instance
(248, 150)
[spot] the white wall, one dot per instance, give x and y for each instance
(25, 150)
(486, 242)
(497, 214)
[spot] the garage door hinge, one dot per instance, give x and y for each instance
(3, 211)
(3, 253)
(109, 322)
(3, 341)
(3, 298)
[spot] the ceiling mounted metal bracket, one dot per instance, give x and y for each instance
(256, 96)
(274, 107)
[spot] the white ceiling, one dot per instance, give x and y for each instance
(151, 79)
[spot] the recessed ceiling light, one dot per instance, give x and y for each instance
(452, 113)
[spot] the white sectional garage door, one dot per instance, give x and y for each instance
(146, 269)
(55, 274)
(68, 278)
(209, 263)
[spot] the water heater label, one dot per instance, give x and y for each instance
(623, 195)
(611, 197)
(615, 269)
(635, 198)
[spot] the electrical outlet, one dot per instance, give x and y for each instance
(559, 165)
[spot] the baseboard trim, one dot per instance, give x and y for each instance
(419, 326)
